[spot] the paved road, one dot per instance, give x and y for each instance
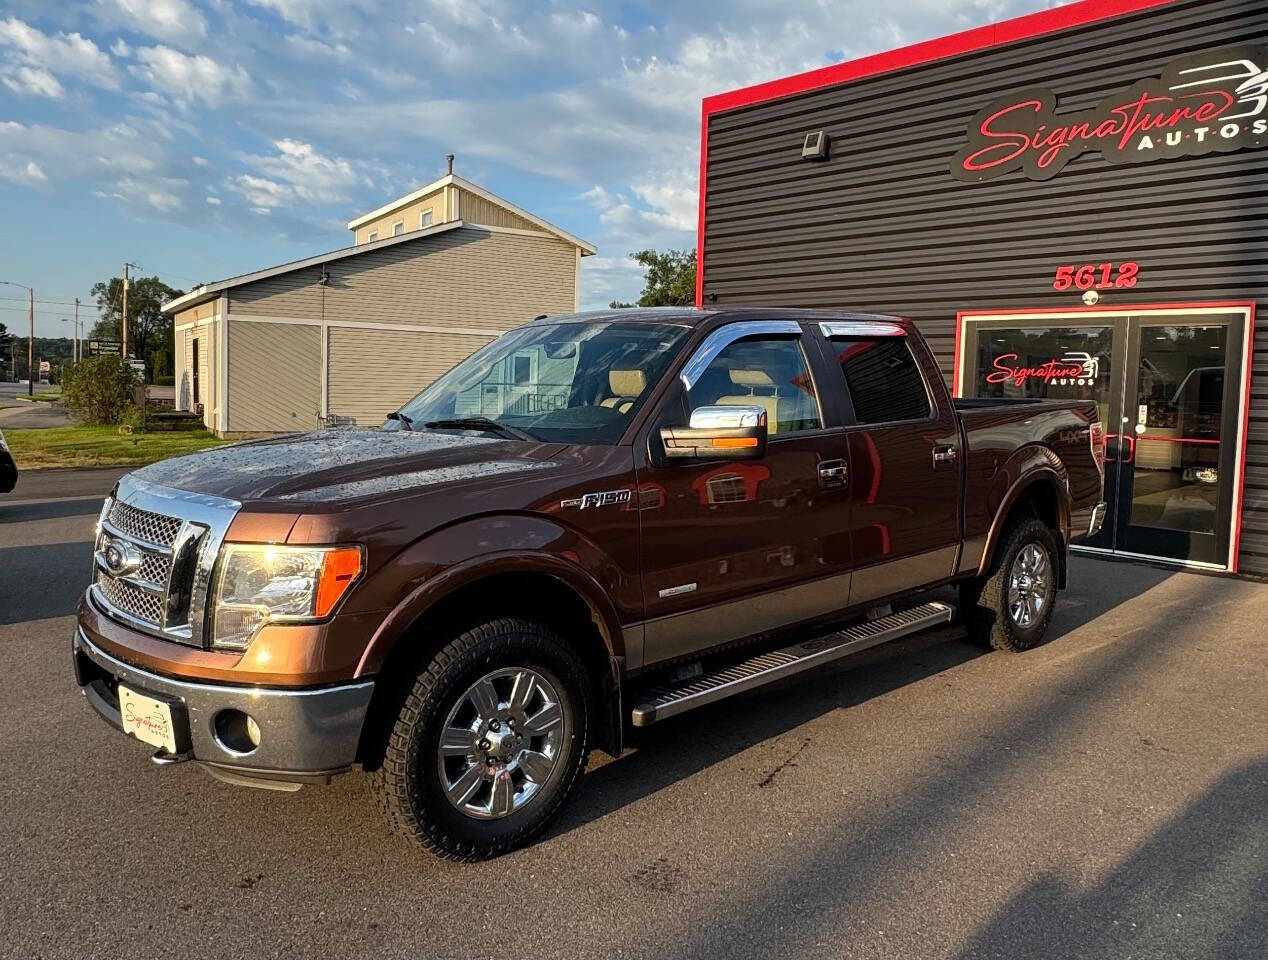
(1103, 797)
(33, 416)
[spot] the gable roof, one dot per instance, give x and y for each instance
(206, 291)
(453, 179)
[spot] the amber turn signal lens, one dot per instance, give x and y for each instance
(735, 441)
(338, 571)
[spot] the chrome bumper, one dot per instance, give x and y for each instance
(305, 735)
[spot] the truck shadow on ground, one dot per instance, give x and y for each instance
(681, 747)
(49, 510)
(1198, 888)
(1210, 864)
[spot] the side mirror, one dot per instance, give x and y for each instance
(718, 433)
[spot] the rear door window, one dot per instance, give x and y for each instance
(884, 383)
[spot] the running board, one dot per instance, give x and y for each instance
(670, 699)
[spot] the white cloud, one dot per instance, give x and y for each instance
(66, 54)
(213, 201)
(120, 48)
(152, 195)
(176, 21)
(187, 79)
(31, 82)
(14, 170)
(296, 174)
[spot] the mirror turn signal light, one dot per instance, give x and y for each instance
(735, 441)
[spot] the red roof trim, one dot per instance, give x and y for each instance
(969, 41)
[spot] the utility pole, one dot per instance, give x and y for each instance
(123, 349)
(75, 352)
(30, 343)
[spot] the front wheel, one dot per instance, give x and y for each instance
(489, 741)
(1010, 608)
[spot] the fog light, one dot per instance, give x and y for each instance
(236, 732)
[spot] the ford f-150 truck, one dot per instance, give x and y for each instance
(593, 523)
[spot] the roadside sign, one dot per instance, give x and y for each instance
(45, 367)
(97, 347)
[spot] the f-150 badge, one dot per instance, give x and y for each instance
(605, 498)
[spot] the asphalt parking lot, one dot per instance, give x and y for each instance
(1104, 796)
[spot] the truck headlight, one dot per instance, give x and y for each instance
(258, 584)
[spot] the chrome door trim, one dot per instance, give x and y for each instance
(860, 328)
(723, 337)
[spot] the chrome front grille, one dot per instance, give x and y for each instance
(142, 525)
(137, 603)
(154, 556)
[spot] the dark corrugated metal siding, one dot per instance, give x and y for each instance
(882, 225)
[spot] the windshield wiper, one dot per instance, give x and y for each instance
(486, 424)
(406, 422)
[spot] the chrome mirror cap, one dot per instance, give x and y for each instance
(727, 417)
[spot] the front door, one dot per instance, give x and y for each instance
(1169, 387)
(1177, 455)
(734, 548)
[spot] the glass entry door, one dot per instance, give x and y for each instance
(1176, 458)
(1168, 384)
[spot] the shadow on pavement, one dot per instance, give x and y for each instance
(856, 864)
(28, 592)
(1198, 888)
(681, 747)
(49, 510)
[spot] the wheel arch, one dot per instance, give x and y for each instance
(1039, 489)
(535, 586)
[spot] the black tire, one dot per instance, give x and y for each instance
(409, 782)
(984, 601)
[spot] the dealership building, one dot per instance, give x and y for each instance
(1070, 204)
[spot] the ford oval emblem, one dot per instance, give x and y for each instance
(120, 557)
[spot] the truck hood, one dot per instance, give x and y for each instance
(337, 465)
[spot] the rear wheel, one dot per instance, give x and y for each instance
(488, 742)
(1010, 608)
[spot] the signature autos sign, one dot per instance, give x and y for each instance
(1214, 101)
(1075, 369)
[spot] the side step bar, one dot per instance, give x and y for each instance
(670, 699)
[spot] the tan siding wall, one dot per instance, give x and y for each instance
(297, 294)
(475, 209)
(411, 214)
(208, 336)
(184, 366)
(463, 278)
(274, 377)
(373, 372)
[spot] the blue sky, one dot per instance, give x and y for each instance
(206, 138)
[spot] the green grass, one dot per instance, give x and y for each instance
(101, 446)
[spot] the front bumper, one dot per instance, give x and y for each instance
(305, 735)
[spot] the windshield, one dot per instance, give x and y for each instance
(567, 382)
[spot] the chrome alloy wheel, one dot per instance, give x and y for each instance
(500, 743)
(1028, 585)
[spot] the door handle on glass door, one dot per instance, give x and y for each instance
(945, 453)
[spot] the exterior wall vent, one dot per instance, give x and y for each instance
(815, 146)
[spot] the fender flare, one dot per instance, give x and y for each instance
(431, 590)
(1041, 471)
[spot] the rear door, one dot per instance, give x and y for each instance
(735, 548)
(905, 460)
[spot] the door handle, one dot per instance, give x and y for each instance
(832, 473)
(945, 453)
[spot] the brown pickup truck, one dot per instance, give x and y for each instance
(595, 522)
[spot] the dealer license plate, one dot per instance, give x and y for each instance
(147, 719)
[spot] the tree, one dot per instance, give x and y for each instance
(99, 390)
(149, 329)
(669, 279)
(6, 347)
